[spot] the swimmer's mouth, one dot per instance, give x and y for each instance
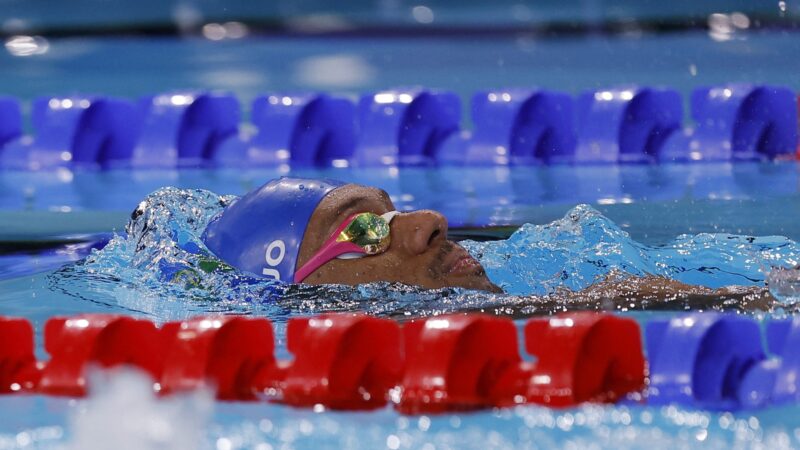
(459, 262)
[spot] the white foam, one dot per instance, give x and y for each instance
(122, 412)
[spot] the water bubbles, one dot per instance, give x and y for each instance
(186, 16)
(422, 14)
(784, 284)
(224, 444)
(306, 427)
(214, 32)
(228, 30)
(27, 45)
(424, 423)
(740, 20)
(726, 420)
(455, 422)
(402, 421)
(722, 27)
(335, 70)
(589, 426)
(393, 442)
(565, 422)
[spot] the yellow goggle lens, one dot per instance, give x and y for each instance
(369, 231)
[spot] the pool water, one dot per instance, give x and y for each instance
(353, 65)
(653, 203)
(632, 222)
(693, 222)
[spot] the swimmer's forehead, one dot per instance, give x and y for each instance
(355, 195)
(352, 198)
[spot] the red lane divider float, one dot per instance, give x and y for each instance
(581, 357)
(343, 361)
(462, 362)
(224, 352)
(101, 340)
(18, 368)
(454, 361)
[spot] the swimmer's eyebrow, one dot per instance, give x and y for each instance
(350, 204)
(354, 201)
(336, 216)
(385, 196)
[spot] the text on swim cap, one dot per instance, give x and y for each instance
(274, 261)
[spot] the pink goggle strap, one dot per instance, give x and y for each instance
(332, 249)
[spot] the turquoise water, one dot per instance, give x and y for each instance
(134, 274)
(133, 67)
(634, 222)
(237, 426)
(81, 14)
(653, 203)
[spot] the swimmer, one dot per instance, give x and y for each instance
(202, 246)
(328, 232)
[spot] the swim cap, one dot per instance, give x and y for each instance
(262, 231)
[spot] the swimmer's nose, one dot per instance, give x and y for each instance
(418, 231)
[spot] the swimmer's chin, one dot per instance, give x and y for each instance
(493, 288)
(472, 277)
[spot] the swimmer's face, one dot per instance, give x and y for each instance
(419, 253)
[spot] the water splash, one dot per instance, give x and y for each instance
(584, 247)
(123, 412)
(161, 268)
(784, 284)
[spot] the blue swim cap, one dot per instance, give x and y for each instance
(262, 231)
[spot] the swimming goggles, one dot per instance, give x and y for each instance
(362, 234)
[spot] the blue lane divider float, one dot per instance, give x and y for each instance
(403, 127)
(77, 131)
(10, 120)
(716, 361)
(106, 131)
(183, 129)
(161, 131)
(775, 380)
(55, 121)
(519, 126)
(304, 130)
(700, 359)
(624, 125)
(739, 122)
